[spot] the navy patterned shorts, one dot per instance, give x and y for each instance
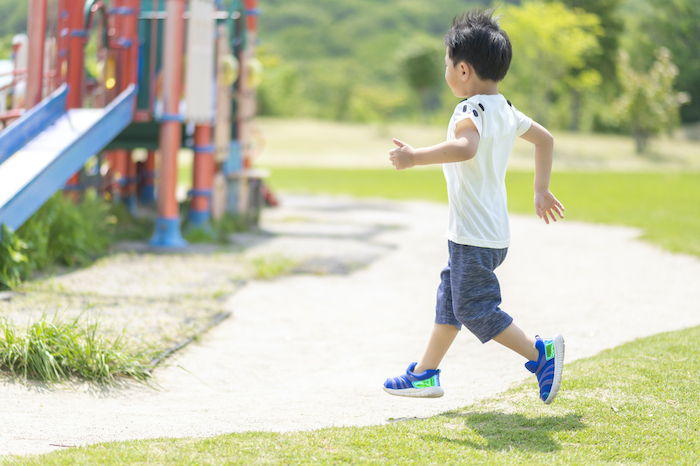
(469, 293)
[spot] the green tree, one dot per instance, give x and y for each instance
(14, 16)
(675, 25)
(648, 104)
(603, 59)
(421, 64)
(549, 41)
(14, 21)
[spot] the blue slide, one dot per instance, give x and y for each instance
(41, 150)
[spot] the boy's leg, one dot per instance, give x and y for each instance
(440, 341)
(424, 381)
(548, 366)
(477, 293)
(516, 340)
(545, 358)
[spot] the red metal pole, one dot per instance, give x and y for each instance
(76, 59)
(168, 222)
(125, 23)
(130, 187)
(125, 18)
(36, 27)
(170, 136)
(131, 40)
(62, 31)
(120, 172)
(203, 176)
(252, 13)
(76, 36)
(171, 127)
(114, 33)
(247, 100)
(149, 172)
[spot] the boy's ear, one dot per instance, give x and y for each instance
(464, 70)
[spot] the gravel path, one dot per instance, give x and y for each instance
(311, 350)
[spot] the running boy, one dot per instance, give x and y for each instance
(479, 141)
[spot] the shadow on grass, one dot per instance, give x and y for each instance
(499, 431)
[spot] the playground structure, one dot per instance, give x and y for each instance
(104, 78)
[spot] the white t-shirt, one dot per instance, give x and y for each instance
(476, 188)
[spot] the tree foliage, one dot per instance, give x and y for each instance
(14, 21)
(648, 103)
(14, 16)
(420, 62)
(675, 25)
(602, 59)
(549, 42)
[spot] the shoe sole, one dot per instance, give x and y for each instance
(558, 366)
(432, 392)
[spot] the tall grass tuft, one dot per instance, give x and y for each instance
(57, 349)
(14, 264)
(60, 232)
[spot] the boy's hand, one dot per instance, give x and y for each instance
(546, 203)
(402, 156)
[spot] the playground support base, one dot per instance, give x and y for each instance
(148, 194)
(167, 234)
(132, 205)
(199, 219)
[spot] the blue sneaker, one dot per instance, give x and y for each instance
(548, 366)
(424, 385)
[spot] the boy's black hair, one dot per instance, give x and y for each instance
(476, 38)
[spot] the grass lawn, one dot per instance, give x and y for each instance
(636, 404)
(310, 143)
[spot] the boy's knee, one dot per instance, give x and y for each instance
(487, 326)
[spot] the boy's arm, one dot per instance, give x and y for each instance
(545, 202)
(462, 148)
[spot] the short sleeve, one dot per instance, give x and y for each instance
(522, 122)
(463, 111)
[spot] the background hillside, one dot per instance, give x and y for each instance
(342, 59)
(346, 60)
(368, 60)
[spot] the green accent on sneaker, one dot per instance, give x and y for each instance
(431, 382)
(549, 349)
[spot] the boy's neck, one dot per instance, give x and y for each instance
(479, 87)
